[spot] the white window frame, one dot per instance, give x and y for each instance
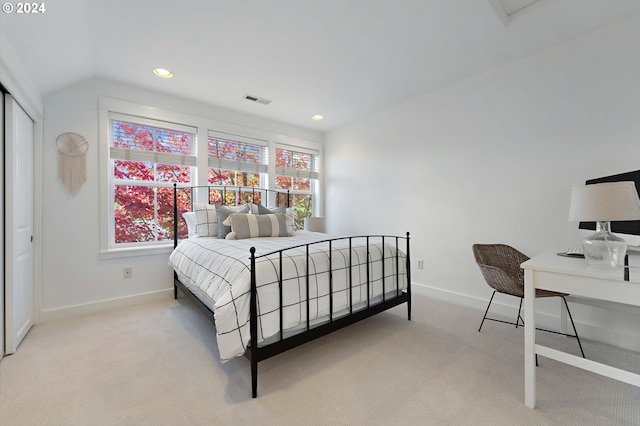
(240, 166)
(108, 107)
(313, 174)
(126, 154)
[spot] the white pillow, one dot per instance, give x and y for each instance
(191, 220)
(253, 208)
(206, 220)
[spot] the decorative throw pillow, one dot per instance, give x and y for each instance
(206, 220)
(254, 226)
(288, 216)
(223, 212)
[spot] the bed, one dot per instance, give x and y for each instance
(269, 288)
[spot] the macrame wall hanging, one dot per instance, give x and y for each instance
(72, 160)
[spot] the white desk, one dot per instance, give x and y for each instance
(574, 276)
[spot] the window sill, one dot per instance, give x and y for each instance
(135, 251)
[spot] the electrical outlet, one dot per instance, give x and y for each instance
(127, 272)
(420, 263)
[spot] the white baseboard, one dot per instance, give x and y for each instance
(499, 309)
(596, 332)
(105, 305)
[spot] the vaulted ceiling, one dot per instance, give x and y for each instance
(343, 59)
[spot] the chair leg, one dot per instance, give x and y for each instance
(573, 325)
(519, 318)
(485, 312)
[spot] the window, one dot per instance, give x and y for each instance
(235, 161)
(146, 158)
(297, 171)
(146, 150)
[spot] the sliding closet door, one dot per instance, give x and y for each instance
(18, 223)
(2, 225)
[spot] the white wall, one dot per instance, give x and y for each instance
(75, 278)
(493, 159)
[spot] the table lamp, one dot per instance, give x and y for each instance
(602, 203)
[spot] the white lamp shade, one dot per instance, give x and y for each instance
(602, 202)
(314, 224)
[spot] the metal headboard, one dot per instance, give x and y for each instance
(247, 196)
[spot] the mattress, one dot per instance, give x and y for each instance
(217, 271)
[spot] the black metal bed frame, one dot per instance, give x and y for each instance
(257, 353)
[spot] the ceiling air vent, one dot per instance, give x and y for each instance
(262, 101)
(507, 9)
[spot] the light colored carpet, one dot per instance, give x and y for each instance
(157, 364)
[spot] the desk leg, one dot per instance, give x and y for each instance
(529, 340)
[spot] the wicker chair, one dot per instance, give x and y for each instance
(500, 267)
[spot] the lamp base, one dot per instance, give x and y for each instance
(603, 249)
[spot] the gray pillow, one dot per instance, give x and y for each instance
(288, 216)
(275, 210)
(222, 212)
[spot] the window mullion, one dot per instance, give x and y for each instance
(155, 215)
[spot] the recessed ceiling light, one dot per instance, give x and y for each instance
(317, 117)
(161, 72)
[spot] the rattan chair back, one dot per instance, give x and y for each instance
(500, 267)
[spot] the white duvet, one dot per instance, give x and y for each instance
(217, 272)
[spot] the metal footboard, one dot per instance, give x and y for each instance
(257, 353)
